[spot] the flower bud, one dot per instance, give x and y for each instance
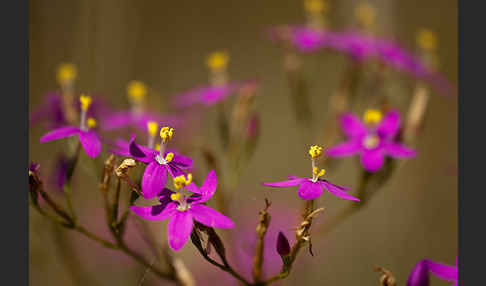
(283, 246)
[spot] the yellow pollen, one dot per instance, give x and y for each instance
(175, 196)
(372, 116)
(169, 156)
(91, 122)
(166, 133)
(427, 40)
(66, 73)
(85, 102)
(217, 60)
(157, 147)
(152, 127)
(181, 181)
(318, 173)
(315, 6)
(366, 14)
(136, 90)
(315, 151)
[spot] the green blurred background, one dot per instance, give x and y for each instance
(164, 44)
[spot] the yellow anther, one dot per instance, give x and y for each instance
(85, 102)
(157, 147)
(66, 73)
(427, 40)
(181, 181)
(315, 151)
(91, 122)
(372, 116)
(315, 6)
(175, 196)
(166, 133)
(169, 156)
(136, 90)
(318, 173)
(366, 14)
(217, 60)
(152, 128)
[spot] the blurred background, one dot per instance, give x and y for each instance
(165, 45)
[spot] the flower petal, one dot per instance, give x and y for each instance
(389, 125)
(336, 190)
(419, 275)
(158, 212)
(210, 217)
(117, 120)
(91, 143)
(352, 126)
(372, 160)
(399, 151)
(59, 133)
(309, 190)
(289, 183)
(183, 162)
(208, 187)
(344, 149)
(154, 179)
(443, 271)
(179, 229)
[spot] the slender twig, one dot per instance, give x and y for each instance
(261, 230)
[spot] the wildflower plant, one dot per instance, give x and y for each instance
(157, 178)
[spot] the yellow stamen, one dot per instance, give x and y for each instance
(169, 156)
(181, 181)
(366, 14)
(66, 73)
(315, 6)
(175, 196)
(315, 151)
(372, 116)
(318, 173)
(217, 60)
(427, 40)
(85, 102)
(157, 147)
(136, 90)
(91, 122)
(166, 133)
(152, 127)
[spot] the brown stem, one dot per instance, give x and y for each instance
(302, 237)
(261, 230)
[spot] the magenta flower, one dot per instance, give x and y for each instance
(87, 137)
(373, 141)
(183, 210)
(419, 275)
(52, 113)
(311, 188)
(159, 163)
(206, 95)
(122, 119)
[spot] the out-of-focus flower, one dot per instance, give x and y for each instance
(311, 188)
(58, 176)
(51, 111)
(182, 209)
(138, 116)
(66, 73)
(420, 273)
(87, 136)
(372, 140)
(159, 162)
